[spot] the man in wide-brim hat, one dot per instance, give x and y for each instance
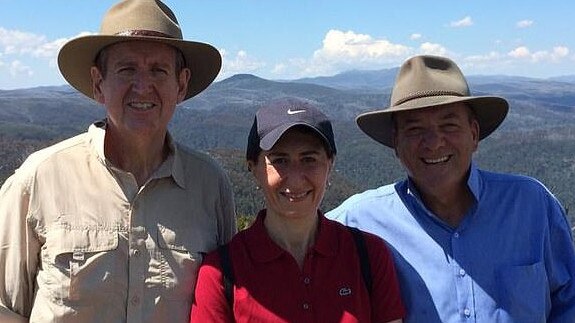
(468, 244)
(111, 225)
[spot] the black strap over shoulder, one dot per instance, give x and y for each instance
(227, 273)
(363, 257)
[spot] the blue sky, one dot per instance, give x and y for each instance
(280, 39)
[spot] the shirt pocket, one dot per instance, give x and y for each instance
(82, 264)
(178, 263)
(524, 292)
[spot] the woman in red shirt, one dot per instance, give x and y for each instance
(293, 264)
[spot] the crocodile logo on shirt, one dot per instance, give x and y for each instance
(344, 291)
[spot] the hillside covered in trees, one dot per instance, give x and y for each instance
(536, 139)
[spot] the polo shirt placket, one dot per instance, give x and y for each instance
(307, 307)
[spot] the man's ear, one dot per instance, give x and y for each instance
(475, 129)
(97, 79)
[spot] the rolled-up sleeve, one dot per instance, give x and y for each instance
(19, 249)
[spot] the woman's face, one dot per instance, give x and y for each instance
(293, 174)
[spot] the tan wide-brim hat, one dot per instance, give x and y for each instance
(130, 20)
(431, 81)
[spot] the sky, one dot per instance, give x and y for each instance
(290, 39)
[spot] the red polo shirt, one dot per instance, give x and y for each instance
(270, 287)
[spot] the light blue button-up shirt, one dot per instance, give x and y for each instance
(511, 259)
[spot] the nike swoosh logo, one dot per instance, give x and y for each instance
(290, 111)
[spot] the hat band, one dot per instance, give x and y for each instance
(143, 32)
(423, 94)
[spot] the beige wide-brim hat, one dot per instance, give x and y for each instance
(130, 20)
(431, 81)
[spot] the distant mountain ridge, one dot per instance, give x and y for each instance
(356, 79)
(535, 103)
(565, 78)
(537, 138)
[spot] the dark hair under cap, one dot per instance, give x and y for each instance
(274, 119)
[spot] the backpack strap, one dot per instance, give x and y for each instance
(227, 274)
(363, 257)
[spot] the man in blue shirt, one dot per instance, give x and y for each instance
(469, 245)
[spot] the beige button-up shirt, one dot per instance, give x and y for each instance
(81, 242)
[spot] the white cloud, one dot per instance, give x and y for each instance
(279, 69)
(349, 50)
(300, 67)
(18, 42)
(48, 49)
(346, 50)
(556, 54)
(432, 49)
(240, 62)
(15, 42)
(25, 46)
(465, 22)
(339, 45)
(343, 51)
(524, 23)
(519, 61)
(481, 59)
(16, 68)
(485, 63)
(559, 52)
(415, 36)
(520, 52)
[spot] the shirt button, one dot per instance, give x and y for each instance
(135, 300)
(461, 272)
(305, 306)
(456, 234)
(135, 252)
(306, 280)
(466, 312)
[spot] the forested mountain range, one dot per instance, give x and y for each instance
(536, 139)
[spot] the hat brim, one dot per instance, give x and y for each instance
(78, 55)
(490, 112)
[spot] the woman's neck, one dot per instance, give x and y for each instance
(294, 234)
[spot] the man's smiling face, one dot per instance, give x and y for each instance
(436, 144)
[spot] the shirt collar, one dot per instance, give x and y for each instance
(172, 166)
(263, 249)
(473, 182)
(96, 134)
(408, 188)
(326, 242)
